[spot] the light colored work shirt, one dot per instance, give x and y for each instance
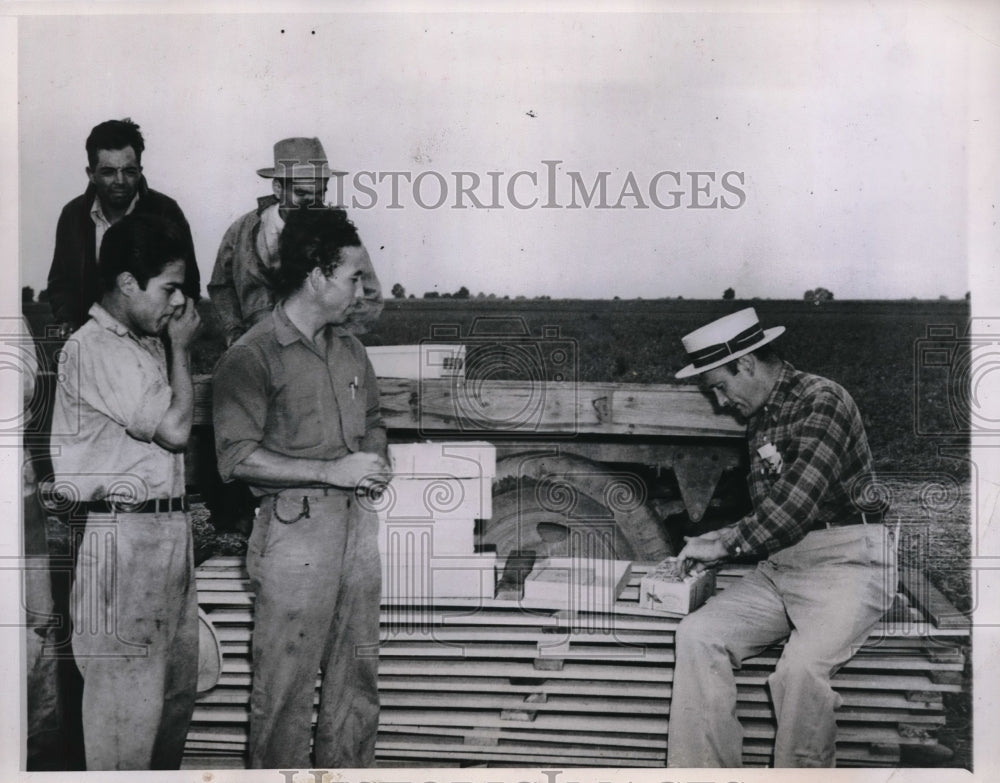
(112, 395)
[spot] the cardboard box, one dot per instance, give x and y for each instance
(435, 497)
(435, 536)
(418, 362)
(582, 584)
(664, 590)
(462, 460)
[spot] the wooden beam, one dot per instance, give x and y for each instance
(451, 406)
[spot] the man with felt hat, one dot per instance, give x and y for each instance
(242, 284)
(826, 570)
(241, 287)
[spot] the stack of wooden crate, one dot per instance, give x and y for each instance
(478, 681)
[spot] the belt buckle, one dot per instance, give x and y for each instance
(119, 506)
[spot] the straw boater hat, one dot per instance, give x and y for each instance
(725, 339)
(299, 158)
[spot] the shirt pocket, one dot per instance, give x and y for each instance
(302, 417)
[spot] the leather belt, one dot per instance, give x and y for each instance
(155, 506)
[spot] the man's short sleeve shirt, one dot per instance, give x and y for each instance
(113, 392)
(275, 389)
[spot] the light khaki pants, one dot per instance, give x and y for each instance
(317, 582)
(135, 638)
(823, 596)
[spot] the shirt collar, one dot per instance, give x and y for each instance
(107, 321)
(286, 333)
(779, 392)
(97, 214)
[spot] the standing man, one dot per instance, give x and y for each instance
(241, 287)
(117, 188)
(828, 572)
(133, 604)
(242, 284)
(296, 410)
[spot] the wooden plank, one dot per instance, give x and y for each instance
(514, 734)
(450, 405)
(626, 607)
(910, 682)
(931, 601)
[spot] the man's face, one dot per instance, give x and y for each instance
(116, 177)
(296, 193)
(738, 391)
(342, 291)
(150, 310)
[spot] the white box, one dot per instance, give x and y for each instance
(418, 362)
(472, 577)
(662, 590)
(435, 536)
(464, 459)
(437, 497)
(582, 584)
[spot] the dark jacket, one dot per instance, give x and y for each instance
(74, 284)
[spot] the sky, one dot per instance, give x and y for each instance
(827, 145)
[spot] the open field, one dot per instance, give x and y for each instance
(875, 349)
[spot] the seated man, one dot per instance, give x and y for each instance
(828, 572)
(133, 605)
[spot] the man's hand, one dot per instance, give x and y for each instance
(361, 470)
(183, 325)
(702, 551)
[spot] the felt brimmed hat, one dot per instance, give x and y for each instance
(725, 339)
(299, 158)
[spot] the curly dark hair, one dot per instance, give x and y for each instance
(312, 237)
(115, 135)
(142, 245)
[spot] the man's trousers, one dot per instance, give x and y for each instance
(135, 638)
(824, 595)
(314, 567)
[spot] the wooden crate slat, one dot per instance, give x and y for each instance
(455, 673)
(931, 601)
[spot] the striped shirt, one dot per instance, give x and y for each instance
(819, 461)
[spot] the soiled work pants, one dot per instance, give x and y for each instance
(824, 594)
(135, 638)
(317, 582)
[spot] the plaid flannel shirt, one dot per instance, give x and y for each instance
(822, 462)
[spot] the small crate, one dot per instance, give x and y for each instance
(666, 589)
(578, 583)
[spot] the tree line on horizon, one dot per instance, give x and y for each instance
(815, 295)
